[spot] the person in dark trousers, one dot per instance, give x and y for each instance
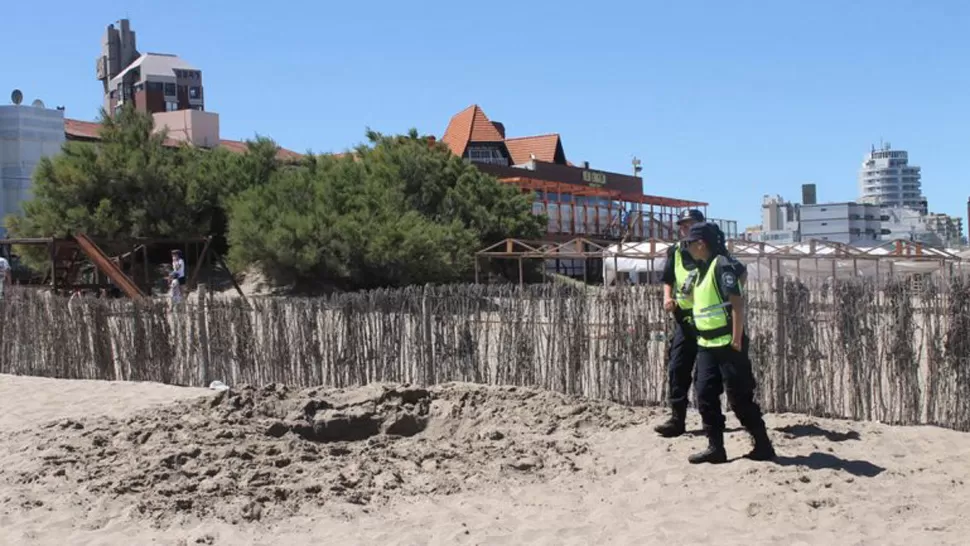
(722, 356)
(678, 280)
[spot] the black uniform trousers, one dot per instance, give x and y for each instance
(681, 354)
(720, 369)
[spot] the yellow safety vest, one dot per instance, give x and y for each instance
(681, 275)
(712, 315)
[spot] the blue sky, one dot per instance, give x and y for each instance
(722, 101)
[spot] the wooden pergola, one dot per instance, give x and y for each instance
(582, 248)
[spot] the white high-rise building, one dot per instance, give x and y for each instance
(27, 133)
(779, 221)
(887, 179)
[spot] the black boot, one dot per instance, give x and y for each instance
(674, 426)
(714, 453)
(763, 450)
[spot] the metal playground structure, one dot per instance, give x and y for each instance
(78, 262)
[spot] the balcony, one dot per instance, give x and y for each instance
(575, 210)
(490, 156)
(609, 222)
(491, 161)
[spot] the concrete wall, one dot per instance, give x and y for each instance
(196, 127)
(26, 135)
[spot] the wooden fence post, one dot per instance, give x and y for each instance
(781, 346)
(427, 376)
(203, 337)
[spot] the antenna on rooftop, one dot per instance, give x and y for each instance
(37, 103)
(637, 168)
(16, 96)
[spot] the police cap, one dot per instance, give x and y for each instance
(691, 215)
(702, 231)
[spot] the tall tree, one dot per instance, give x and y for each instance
(398, 211)
(132, 183)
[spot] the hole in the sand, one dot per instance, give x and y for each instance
(252, 453)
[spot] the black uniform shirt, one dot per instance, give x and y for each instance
(729, 272)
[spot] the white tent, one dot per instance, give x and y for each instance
(646, 269)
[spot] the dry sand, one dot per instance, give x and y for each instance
(113, 463)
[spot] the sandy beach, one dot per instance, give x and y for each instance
(85, 463)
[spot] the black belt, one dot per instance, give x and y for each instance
(715, 333)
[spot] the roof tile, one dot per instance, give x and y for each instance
(542, 146)
(469, 125)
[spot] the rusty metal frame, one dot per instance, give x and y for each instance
(136, 244)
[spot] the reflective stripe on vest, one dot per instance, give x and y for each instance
(681, 276)
(712, 315)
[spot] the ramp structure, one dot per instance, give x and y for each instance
(107, 266)
(79, 263)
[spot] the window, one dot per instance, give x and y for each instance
(487, 155)
(195, 92)
(171, 106)
(170, 89)
(154, 86)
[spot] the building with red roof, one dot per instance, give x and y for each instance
(579, 200)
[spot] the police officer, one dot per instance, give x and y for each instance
(678, 281)
(722, 356)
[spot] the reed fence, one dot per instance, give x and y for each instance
(860, 349)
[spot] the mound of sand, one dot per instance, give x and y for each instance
(95, 463)
(263, 454)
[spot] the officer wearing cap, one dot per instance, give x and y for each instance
(722, 356)
(677, 278)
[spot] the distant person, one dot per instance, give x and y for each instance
(722, 356)
(177, 277)
(4, 274)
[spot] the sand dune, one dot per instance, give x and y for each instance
(86, 463)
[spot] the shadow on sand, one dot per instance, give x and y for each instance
(818, 461)
(803, 431)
